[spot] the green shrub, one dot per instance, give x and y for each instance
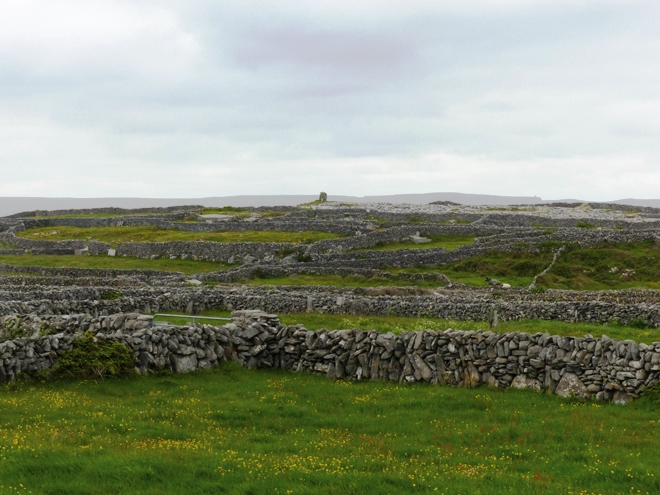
(13, 329)
(90, 359)
(303, 258)
(111, 295)
(585, 225)
(639, 324)
(651, 396)
(284, 252)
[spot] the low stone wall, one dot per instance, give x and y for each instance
(12, 252)
(604, 369)
(109, 211)
(154, 348)
(10, 237)
(88, 272)
(228, 252)
(468, 305)
(170, 222)
(394, 234)
(492, 218)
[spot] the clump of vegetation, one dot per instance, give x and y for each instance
(92, 360)
(223, 209)
(111, 295)
(272, 214)
(585, 225)
(284, 252)
(13, 328)
(651, 396)
(640, 324)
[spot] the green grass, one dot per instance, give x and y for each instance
(517, 268)
(238, 431)
(114, 235)
(448, 241)
(115, 263)
(576, 269)
(604, 267)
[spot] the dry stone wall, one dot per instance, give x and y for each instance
(469, 305)
(228, 252)
(604, 369)
(170, 222)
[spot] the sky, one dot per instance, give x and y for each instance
(195, 98)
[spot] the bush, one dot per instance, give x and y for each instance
(111, 295)
(639, 324)
(585, 225)
(651, 395)
(90, 359)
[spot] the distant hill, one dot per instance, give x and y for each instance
(9, 206)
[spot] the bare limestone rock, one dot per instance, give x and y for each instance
(523, 382)
(571, 386)
(183, 364)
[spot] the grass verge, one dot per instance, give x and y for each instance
(238, 431)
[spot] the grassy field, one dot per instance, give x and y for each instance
(517, 268)
(238, 431)
(115, 263)
(613, 266)
(114, 235)
(448, 241)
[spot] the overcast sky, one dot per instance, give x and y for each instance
(557, 98)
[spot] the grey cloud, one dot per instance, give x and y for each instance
(340, 50)
(526, 83)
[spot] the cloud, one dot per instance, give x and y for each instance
(517, 96)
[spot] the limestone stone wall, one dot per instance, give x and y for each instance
(604, 369)
(174, 222)
(460, 305)
(229, 252)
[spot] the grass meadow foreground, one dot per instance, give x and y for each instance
(238, 431)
